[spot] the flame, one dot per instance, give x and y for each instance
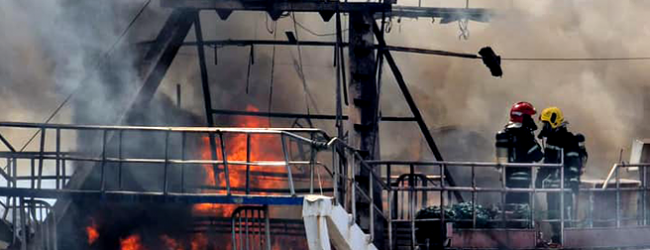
(171, 243)
(199, 242)
(131, 243)
(262, 148)
(92, 232)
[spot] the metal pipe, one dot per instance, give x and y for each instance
(645, 193)
(473, 199)
(465, 164)
(442, 200)
(119, 155)
(166, 166)
(248, 159)
(40, 161)
(58, 155)
(503, 196)
(335, 183)
(312, 160)
(23, 225)
(390, 219)
(412, 207)
(268, 227)
(224, 156)
(183, 141)
(247, 239)
(286, 160)
(562, 208)
(618, 199)
(103, 163)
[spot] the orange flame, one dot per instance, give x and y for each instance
(170, 243)
(131, 243)
(199, 242)
(92, 232)
(262, 148)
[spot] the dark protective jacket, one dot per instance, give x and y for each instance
(575, 154)
(522, 148)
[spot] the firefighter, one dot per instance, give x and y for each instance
(516, 143)
(559, 145)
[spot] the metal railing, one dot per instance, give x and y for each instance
(439, 168)
(168, 149)
(251, 228)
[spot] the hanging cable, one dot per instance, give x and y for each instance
(100, 62)
(313, 32)
(301, 72)
(272, 73)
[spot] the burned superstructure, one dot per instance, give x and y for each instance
(229, 179)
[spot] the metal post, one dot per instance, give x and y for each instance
(248, 161)
(207, 100)
(353, 191)
(443, 227)
(473, 197)
(58, 158)
(618, 199)
(119, 155)
(312, 158)
(412, 207)
(562, 208)
(55, 239)
(239, 233)
(504, 189)
(645, 192)
(267, 227)
(33, 172)
(233, 224)
(224, 156)
(23, 225)
(166, 167)
(532, 199)
(390, 218)
(335, 183)
(248, 246)
(183, 140)
(41, 158)
(286, 163)
(103, 165)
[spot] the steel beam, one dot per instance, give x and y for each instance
(151, 196)
(155, 63)
(159, 57)
(275, 6)
(413, 106)
(300, 116)
(363, 113)
(446, 15)
(231, 42)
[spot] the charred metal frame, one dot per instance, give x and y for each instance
(23, 201)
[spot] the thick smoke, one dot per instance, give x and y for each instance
(601, 99)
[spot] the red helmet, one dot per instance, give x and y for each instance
(520, 109)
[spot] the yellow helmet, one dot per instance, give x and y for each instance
(552, 115)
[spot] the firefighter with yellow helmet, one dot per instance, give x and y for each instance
(559, 145)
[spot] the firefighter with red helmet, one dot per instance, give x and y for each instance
(516, 143)
(560, 145)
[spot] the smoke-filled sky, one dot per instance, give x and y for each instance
(47, 49)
